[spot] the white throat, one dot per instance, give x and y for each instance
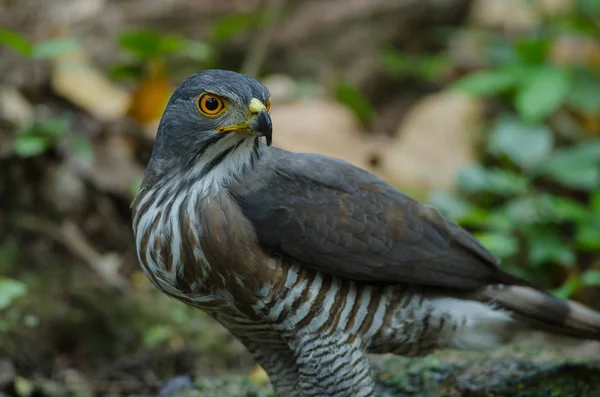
(213, 172)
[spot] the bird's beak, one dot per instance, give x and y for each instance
(261, 125)
(257, 123)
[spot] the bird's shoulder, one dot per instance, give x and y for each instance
(324, 172)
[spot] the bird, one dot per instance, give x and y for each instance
(310, 262)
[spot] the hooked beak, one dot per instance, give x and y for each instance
(257, 123)
(262, 126)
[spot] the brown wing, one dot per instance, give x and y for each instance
(334, 217)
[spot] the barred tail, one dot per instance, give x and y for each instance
(544, 311)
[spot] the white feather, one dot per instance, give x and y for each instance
(479, 325)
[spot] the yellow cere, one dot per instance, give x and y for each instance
(255, 107)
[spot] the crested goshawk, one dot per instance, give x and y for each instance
(309, 261)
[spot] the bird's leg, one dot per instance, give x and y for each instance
(281, 368)
(332, 365)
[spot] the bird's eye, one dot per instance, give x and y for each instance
(268, 105)
(210, 105)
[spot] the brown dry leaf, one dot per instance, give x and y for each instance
(572, 49)
(321, 126)
(114, 168)
(555, 7)
(434, 142)
(510, 15)
(78, 81)
(14, 107)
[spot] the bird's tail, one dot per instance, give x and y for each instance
(544, 311)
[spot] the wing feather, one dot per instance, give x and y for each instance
(340, 219)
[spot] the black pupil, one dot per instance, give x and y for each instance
(211, 104)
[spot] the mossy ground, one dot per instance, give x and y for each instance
(506, 372)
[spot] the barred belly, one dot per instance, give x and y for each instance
(311, 321)
(401, 319)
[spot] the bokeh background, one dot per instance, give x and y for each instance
(488, 109)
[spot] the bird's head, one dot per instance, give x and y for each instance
(206, 108)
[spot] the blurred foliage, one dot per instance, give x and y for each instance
(234, 25)
(425, 67)
(48, 48)
(40, 136)
(9, 291)
(150, 50)
(350, 96)
(534, 198)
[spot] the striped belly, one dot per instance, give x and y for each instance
(400, 319)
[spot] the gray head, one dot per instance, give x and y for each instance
(213, 108)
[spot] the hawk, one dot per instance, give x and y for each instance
(309, 261)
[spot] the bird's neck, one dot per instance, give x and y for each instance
(225, 162)
(214, 168)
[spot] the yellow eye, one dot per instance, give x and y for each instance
(268, 105)
(210, 104)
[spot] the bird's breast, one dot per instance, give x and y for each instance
(168, 231)
(198, 248)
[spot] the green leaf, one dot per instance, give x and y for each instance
(585, 93)
(450, 204)
(547, 247)
(9, 291)
(170, 43)
(498, 50)
(499, 220)
(525, 210)
(51, 48)
(16, 42)
(126, 72)
(157, 335)
(31, 321)
(487, 82)
(31, 145)
(39, 137)
(587, 236)
(397, 63)
(195, 50)
(52, 127)
(233, 25)
(526, 145)
(543, 93)
(180, 315)
(350, 96)
(577, 166)
(532, 50)
(591, 278)
(589, 7)
(501, 245)
(144, 43)
(569, 288)
(595, 202)
(564, 209)
(477, 179)
(545, 208)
